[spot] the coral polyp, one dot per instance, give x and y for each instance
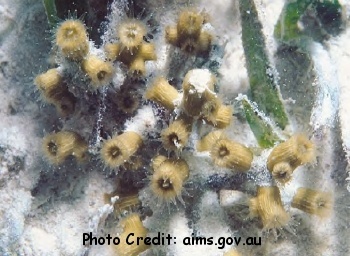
(131, 49)
(55, 91)
(267, 205)
(296, 151)
(208, 141)
(168, 179)
(289, 155)
(120, 148)
(232, 155)
(189, 33)
(282, 172)
(313, 202)
(132, 224)
(72, 39)
(163, 93)
(175, 137)
(131, 33)
(58, 146)
(99, 71)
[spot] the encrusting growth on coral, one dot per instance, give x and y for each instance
(313, 202)
(120, 148)
(267, 205)
(58, 146)
(131, 49)
(72, 39)
(132, 224)
(189, 33)
(198, 90)
(168, 178)
(288, 155)
(200, 100)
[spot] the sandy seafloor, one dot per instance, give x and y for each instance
(44, 210)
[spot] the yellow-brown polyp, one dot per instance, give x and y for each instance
(188, 34)
(157, 161)
(171, 35)
(112, 51)
(137, 66)
(120, 148)
(163, 93)
(313, 202)
(222, 117)
(208, 141)
(55, 91)
(132, 224)
(58, 146)
(268, 206)
(167, 180)
(72, 39)
(99, 71)
(49, 82)
(230, 154)
(147, 52)
(210, 110)
(296, 151)
(175, 137)
(189, 24)
(282, 172)
(204, 42)
(132, 50)
(131, 33)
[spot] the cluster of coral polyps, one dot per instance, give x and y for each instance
(190, 32)
(84, 74)
(131, 49)
(267, 205)
(196, 102)
(287, 156)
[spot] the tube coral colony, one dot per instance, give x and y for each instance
(149, 123)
